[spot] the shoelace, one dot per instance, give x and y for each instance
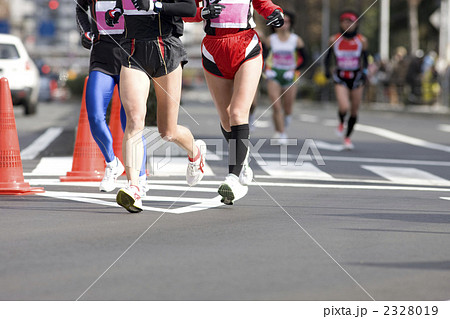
(201, 165)
(108, 172)
(193, 165)
(136, 195)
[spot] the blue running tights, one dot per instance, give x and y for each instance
(99, 91)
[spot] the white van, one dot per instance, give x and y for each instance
(21, 72)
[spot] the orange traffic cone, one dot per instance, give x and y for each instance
(11, 171)
(88, 164)
(115, 125)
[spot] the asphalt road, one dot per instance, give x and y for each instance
(367, 224)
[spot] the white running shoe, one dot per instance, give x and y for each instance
(194, 172)
(143, 186)
(348, 145)
(112, 171)
(231, 189)
(130, 198)
(246, 175)
(340, 130)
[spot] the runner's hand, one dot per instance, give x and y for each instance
(288, 75)
(212, 11)
(112, 16)
(276, 19)
(86, 40)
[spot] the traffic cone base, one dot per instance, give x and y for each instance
(19, 188)
(11, 170)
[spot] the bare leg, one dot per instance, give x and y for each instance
(274, 90)
(244, 91)
(355, 98)
(168, 95)
(221, 92)
(342, 96)
(134, 88)
(289, 99)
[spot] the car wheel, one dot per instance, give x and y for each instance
(30, 107)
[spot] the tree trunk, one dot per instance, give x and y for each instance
(413, 6)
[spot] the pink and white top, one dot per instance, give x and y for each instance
(348, 53)
(237, 15)
(100, 8)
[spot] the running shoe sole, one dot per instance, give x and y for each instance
(226, 193)
(127, 202)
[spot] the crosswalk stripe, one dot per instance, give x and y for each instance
(407, 175)
(173, 166)
(306, 170)
(160, 166)
(151, 185)
(52, 166)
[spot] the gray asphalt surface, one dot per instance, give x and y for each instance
(356, 236)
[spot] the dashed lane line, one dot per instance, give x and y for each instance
(41, 143)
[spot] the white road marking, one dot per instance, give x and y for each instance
(328, 146)
(308, 118)
(444, 127)
(52, 166)
(407, 175)
(173, 166)
(348, 159)
(401, 137)
(445, 198)
(306, 170)
(41, 143)
(59, 166)
(261, 124)
(101, 199)
(346, 186)
(121, 183)
(211, 156)
(384, 161)
(330, 122)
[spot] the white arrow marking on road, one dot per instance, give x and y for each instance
(407, 175)
(445, 198)
(41, 143)
(93, 198)
(306, 170)
(401, 137)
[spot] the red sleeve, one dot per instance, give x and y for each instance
(265, 7)
(198, 16)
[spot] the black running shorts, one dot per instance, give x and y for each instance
(106, 56)
(352, 82)
(155, 57)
